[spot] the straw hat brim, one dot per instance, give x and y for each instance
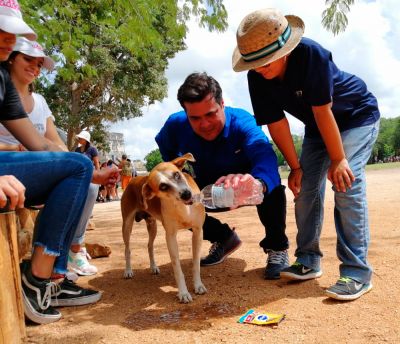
(297, 27)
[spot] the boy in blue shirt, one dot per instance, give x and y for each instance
(294, 74)
(229, 148)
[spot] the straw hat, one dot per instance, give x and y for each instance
(265, 36)
(34, 49)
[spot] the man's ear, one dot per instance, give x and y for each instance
(180, 161)
(147, 193)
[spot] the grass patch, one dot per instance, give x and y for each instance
(372, 167)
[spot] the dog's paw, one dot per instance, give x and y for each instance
(200, 289)
(185, 297)
(155, 270)
(128, 273)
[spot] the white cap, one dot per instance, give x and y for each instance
(84, 135)
(11, 20)
(34, 49)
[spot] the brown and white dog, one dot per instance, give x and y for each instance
(166, 195)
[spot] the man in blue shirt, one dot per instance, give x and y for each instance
(227, 143)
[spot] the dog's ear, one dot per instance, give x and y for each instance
(147, 193)
(180, 161)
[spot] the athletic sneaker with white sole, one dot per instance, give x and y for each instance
(300, 272)
(220, 250)
(70, 294)
(347, 289)
(36, 295)
(78, 263)
(276, 262)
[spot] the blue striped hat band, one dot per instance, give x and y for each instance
(270, 48)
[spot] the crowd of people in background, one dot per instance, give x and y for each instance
(127, 171)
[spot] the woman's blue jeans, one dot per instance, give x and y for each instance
(60, 181)
(350, 213)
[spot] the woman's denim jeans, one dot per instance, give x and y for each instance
(80, 231)
(351, 212)
(60, 181)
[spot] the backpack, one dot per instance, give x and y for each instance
(126, 169)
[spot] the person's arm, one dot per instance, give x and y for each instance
(24, 131)
(96, 162)
(11, 188)
(280, 133)
(52, 134)
(9, 148)
(339, 172)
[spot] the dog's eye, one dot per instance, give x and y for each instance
(164, 187)
(177, 176)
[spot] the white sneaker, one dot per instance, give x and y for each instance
(78, 263)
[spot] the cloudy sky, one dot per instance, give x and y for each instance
(368, 48)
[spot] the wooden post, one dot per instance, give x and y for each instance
(12, 322)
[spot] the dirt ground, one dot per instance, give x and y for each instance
(145, 309)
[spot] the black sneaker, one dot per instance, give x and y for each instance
(70, 294)
(219, 251)
(347, 289)
(300, 272)
(277, 261)
(36, 296)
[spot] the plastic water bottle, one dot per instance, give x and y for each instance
(216, 196)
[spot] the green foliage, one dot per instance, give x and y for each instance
(111, 55)
(297, 140)
(388, 141)
(334, 17)
(152, 159)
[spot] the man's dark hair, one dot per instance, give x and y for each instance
(197, 86)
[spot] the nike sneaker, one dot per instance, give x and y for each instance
(300, 272)
(347, 289)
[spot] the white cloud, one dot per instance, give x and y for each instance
(367, 48)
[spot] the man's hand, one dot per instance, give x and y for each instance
(11, 188)
(106, 176)
(294, 181)
(250, 190)
(341, 175)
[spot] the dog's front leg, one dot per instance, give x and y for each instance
(197, 238)
(183, 293)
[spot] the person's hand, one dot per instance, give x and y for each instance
(294, 181)
(340, 175)
(106, 176)
(251, 190)
(14, 190)
(234, 181)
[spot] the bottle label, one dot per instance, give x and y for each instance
(222, 198)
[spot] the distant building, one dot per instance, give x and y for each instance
(117, 147)
(140, 167)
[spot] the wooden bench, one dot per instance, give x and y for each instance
(15, 243)
(11, 310)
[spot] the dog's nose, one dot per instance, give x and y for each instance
(186, 195)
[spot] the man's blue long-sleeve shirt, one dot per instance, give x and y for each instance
(242, 147)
